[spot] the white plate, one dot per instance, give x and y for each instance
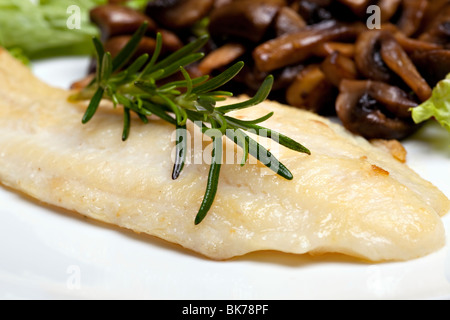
(48, 253)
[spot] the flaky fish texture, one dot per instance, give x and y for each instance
(346, 197)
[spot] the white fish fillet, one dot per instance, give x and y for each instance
(347, 197)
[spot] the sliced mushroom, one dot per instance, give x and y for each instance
(327, 48)
(296, 47)
(288, 21)
(285, 76)
(361, 113)
(314, 11)
(434, 9)
(114, 19)
(397, 60)
(438, 30)
(170, 41)
(311, 90)
(252, 78)
(380, 57)
(411, 45)
(221, 57)
(413, 12)
(178, 14)
(115, 44)
(394, 99)
(368, 56)
(357, 6)
(433, 65)
(219, 3)
(244, 19)
(388, 8)
(337, 67)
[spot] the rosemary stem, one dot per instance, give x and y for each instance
(120, 81)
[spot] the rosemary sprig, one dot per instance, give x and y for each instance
(135, 86)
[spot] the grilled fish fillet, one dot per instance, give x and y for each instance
(347, 197)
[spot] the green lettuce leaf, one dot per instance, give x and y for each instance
(137, 4)
(39, 28)
(438, 106)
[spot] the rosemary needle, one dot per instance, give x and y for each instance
(134, 85)
(181, 149)
(213, 180)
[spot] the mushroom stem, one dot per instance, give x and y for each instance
(178, 14)
(397, 60)
(221, 57)
(114, 19)
(413, 12)
(337, 67)
(388, 8)
(244, 19)
(296, 47)
(311, 90)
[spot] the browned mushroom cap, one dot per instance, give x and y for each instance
(388, 8)
(115, 44)
(412, 14)
(114, 19)
(368, 56)
(357, 6)
(380, 57)
(219, 3)
(170, 41)
(337, 67)
(433, 65)
(245, 19)
(314, 11)
(438, 30)
(367, 108)
(296, 47)
(394, 99)
(311, 90)
(288, 21)
(327, 48)
(434, 9)
(221, 57)
(177, 14)
(252, 78)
